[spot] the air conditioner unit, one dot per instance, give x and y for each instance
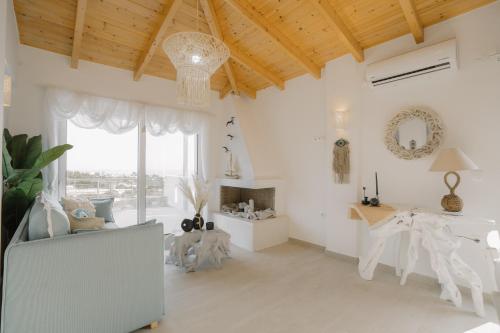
(439, 57)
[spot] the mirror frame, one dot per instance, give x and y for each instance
(434, 139)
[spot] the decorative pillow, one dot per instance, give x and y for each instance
(71, 204)
(47, 219)
(104, 208)
(85, 223)
(80, 213)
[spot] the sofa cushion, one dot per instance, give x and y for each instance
(85, 223)
(104, 208)
(72, 204)
(47, 219)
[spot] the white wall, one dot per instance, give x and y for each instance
(468, 102)
(280, 128)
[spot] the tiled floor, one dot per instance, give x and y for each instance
(294, 288)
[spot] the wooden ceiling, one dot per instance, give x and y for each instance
(271, 41)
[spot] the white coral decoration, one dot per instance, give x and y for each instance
(198, 195)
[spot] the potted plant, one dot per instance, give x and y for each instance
(23, 160)
(197, 195)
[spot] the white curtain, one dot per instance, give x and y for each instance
(115, 116)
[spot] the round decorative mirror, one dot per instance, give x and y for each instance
(414, 133)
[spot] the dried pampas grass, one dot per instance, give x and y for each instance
(197, 195)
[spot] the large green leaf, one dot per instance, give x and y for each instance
(7, 168)
(33, 150)
(21, 175)
(18, 150)
(42, 161)
(50, 155)
(7, 137)
(31, 188)
(14, 205)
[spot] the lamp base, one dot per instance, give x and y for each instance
(452, 203)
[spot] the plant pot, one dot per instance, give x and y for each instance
(198, 222)
(187, 225)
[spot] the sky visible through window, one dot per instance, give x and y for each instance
(95, 150)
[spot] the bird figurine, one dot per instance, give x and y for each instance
(231, 122)
(230, 136)
(226, 150)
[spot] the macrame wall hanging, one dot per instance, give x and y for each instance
(341, 163)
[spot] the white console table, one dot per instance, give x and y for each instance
(434, 232)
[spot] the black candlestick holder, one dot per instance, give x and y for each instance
(365, 200)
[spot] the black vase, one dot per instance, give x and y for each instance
(198, 222)
(187, 225)
(210, 226)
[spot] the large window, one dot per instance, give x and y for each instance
(103, 165)
(168, 158)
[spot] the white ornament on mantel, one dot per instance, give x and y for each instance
(431, 231)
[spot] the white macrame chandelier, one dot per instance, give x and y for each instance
(196, 56)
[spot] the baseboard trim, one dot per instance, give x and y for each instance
(305, 243)
(412, 277)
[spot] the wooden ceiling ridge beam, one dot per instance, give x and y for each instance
(81, 9)
(343, 31)
(157, 38)
(213, 24)
(247, 10)
(411, 16)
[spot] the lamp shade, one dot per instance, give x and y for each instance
(452, 159)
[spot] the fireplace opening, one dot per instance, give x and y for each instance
(248, 203)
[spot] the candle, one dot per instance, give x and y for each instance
(376, 184)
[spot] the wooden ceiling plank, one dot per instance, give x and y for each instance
(344, 33)
(248, 11)
(248, 62)
(157, 38)
(411, 15)
(213, 23)
(250, 92)
(81, 8)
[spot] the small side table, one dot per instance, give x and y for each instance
(189, 250)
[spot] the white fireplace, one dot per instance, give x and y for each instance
(252, 231)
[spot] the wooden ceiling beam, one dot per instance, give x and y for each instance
(225, 90)
(338, 24)
(247, 10)
(81, 8)
(157, 38)
(411, 15)
(253, 65)
(250, 92)
(213, 24)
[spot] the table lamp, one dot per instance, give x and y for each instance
(451, 160)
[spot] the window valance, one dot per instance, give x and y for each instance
(119, 116)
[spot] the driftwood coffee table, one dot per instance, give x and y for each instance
(189, 250)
